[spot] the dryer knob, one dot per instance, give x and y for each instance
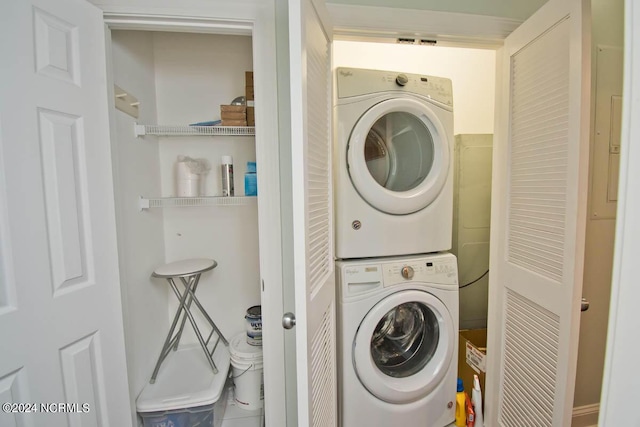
(407, 272)
(402, 79)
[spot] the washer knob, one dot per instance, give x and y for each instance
(407, 272)
(402, 79)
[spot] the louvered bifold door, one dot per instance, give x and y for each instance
(537, 261)
(312, 222)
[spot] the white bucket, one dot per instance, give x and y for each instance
(246, 361)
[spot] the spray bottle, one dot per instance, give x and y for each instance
(476, 401)
(227, 176)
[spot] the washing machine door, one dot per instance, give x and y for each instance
(398, 156)
(404, 346)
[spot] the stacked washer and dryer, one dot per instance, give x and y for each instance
(397, 289)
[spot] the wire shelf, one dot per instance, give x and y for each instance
(180, 202)
(162, 130)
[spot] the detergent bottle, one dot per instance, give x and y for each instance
(461, 416)
(471, 414)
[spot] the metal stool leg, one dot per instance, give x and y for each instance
(208, 318)
(188, 271)
(169, 341)
(192, 280)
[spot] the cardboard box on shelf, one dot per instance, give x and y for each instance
(233, 109)
(472, 357)
(234, 123)
(232, 115)
(249, 93)
(251, 118)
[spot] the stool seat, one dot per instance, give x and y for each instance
(186, 267)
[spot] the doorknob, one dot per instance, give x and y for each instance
(288, 320)
(585, 305)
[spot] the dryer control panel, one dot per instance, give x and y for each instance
(355, 81)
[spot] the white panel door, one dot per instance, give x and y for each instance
(60, 310)
(538, 218)
(310, 70)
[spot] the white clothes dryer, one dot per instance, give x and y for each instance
(397, 341)
(393, 151)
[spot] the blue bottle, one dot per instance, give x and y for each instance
(251, 180)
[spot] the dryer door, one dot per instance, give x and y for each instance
(398, 156)
(404, 346)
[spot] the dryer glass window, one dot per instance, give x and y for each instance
(399, 151)
(405, 340)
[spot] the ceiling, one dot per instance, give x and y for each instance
(514, 9)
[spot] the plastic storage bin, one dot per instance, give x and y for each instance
(201, 416)
(187, 393)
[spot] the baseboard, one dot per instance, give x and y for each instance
(585, 416)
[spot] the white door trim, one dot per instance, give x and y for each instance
(258, 21)
(617, 388)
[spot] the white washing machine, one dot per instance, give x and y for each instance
(392, 163)
(397, 341)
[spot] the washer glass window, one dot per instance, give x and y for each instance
(405, 339)
(399, 151)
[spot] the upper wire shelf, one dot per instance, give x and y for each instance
(163, 130)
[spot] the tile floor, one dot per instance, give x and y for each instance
(234, 416)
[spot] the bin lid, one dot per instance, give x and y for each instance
(186, 380)
(241, 350)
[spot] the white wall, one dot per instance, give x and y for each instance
(195, 74)
(607, 18)
(472, 72)
(140, 235)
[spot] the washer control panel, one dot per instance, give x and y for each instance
(438, 270)
(356, 81)
(407, 272)
(360, 278)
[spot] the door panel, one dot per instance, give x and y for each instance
(310, 69)
(61, 320)
(539, 212)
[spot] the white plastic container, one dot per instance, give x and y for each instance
(186, 393)
(188, 173)
(246, 361)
